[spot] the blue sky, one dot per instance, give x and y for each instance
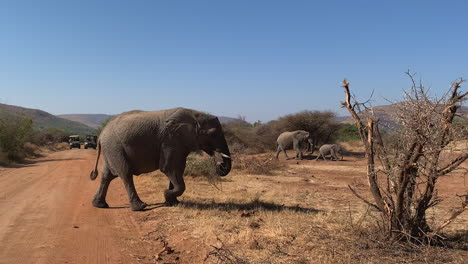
(259, 59)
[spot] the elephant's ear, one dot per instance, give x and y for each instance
(182, 118)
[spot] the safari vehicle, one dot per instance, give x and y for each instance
(74, 141)
(90, 142)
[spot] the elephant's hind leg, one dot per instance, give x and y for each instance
(100, 196)
(285, 153)
(135, 203)
(320, 154)
(278, 150)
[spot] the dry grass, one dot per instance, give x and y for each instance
(302, 213)
(200, 166)
(352, 146)
(258, 164)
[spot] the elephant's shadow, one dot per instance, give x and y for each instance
(233, 206)
(309, 156)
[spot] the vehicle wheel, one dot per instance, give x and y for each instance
(85, 147)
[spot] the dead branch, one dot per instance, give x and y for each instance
(452, 217)
(363, 199)
(452, 165)
(353, 113)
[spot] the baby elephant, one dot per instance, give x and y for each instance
(330, 149)
(288, 140)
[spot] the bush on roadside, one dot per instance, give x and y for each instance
(14, 133)
(49, 137)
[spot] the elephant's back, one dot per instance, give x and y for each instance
(326, 147)
(285, 140)
(285, 135)
(137, 123)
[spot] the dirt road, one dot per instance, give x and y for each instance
(46, 214)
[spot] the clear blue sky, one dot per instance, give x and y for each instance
(259, 59)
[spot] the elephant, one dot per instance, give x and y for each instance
(330, 149)
(292, 139)
(139, 142)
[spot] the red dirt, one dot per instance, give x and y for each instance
(46, 214)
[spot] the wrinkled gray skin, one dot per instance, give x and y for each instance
(288, 140)
(139, 142)
(330, 149)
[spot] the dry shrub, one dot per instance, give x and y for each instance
(4, 158)
(352, 146)
(31, 149)
(49, 137)
(405, 187)
(61, 146)
(256, 165)
(224, 255)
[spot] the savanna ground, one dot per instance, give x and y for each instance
(303, 212)
(300, 212)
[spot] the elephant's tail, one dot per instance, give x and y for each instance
(94, 173)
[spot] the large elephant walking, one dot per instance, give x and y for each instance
(288, 140)
(139, 142)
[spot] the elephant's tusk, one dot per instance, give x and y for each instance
(225, 156)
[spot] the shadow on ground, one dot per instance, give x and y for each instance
(31, 163)
(253, 205)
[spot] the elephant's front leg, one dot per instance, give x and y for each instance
(176, 187)
(297, 148)
(333, 155)
(173, 165)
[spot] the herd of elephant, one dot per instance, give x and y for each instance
(294, 139)
(138, 142)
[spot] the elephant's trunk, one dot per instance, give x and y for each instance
(223, 168)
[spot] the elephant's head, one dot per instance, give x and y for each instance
(211, 139)
(339, 151)
(200, 131)
(304, 136)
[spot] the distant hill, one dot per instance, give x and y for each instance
(387, 113)
(226, 120)
(91, 120)
(94, 120)
(43, 120)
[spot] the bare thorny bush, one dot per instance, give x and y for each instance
(404, 185)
